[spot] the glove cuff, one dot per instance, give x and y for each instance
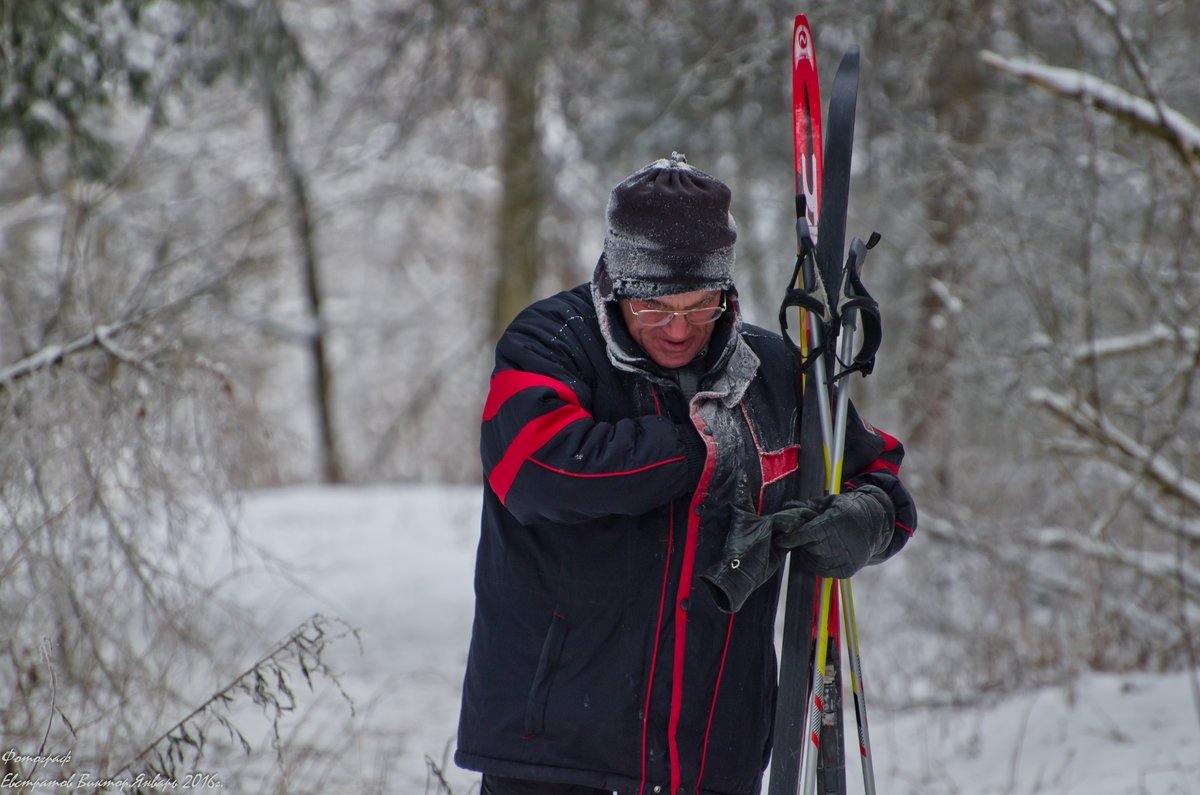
(883, 536)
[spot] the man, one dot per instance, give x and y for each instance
(634, 432)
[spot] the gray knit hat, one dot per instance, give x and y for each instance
(669, 231)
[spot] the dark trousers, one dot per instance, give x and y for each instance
(494, 785)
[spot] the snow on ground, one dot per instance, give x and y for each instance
(1107, 735)
(397, 564)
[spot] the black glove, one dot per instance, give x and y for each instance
(750, 557)
(835, 536)
(847, 532)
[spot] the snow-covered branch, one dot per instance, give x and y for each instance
(1088, 422)
(101, 335)
(54, 354)
(1132, 344)
(1159, 565)
(999, 550)
(1170, 522)
(1155, 117)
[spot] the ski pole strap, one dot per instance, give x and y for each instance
(796, 298)
(857, 299)
(803, 291)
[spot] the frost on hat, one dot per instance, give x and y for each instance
(669, 231)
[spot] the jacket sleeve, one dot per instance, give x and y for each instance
(547, 458)
(873, 456)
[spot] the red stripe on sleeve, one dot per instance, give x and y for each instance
(879, 465)
(890, 442)
(507, 383)
(531, 438)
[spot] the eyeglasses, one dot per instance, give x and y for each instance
(700, 316)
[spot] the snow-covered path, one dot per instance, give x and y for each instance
(397, 564)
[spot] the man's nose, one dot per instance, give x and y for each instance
(677, 327)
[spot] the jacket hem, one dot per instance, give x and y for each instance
(545, 773)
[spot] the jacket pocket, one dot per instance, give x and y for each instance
(539, 691)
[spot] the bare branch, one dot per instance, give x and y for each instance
(1086, 421)
(1125, 38)
(1154, 337)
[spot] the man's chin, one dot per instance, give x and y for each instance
(672, 361)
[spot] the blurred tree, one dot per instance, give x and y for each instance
(516, 35)
(1056, 233)
(1119, 350)
(123, 428)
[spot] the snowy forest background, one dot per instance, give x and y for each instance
(253, 245)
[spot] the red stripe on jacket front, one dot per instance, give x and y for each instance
(712, 708)
(681, 599)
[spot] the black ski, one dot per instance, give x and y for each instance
(835, 183)
(830, 260)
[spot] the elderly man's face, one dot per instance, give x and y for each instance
(681, 338)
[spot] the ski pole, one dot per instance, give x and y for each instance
(834, 454)
(835, 441)
(850, 629)
(858, 252)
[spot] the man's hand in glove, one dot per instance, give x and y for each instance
(848, 532)
(749, 558)
(835, 536)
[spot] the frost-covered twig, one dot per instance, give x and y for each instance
(1140, 67)
(101, 335)
(266, 683)
(53, 354)
(1180, 526)
(1000, 551)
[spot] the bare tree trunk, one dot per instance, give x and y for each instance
(956, 99)
(518, 251)
(332, 470)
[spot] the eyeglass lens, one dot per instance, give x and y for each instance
(696, 317)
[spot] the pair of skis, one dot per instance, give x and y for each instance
(827, 294)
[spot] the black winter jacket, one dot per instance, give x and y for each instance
(597, 657)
